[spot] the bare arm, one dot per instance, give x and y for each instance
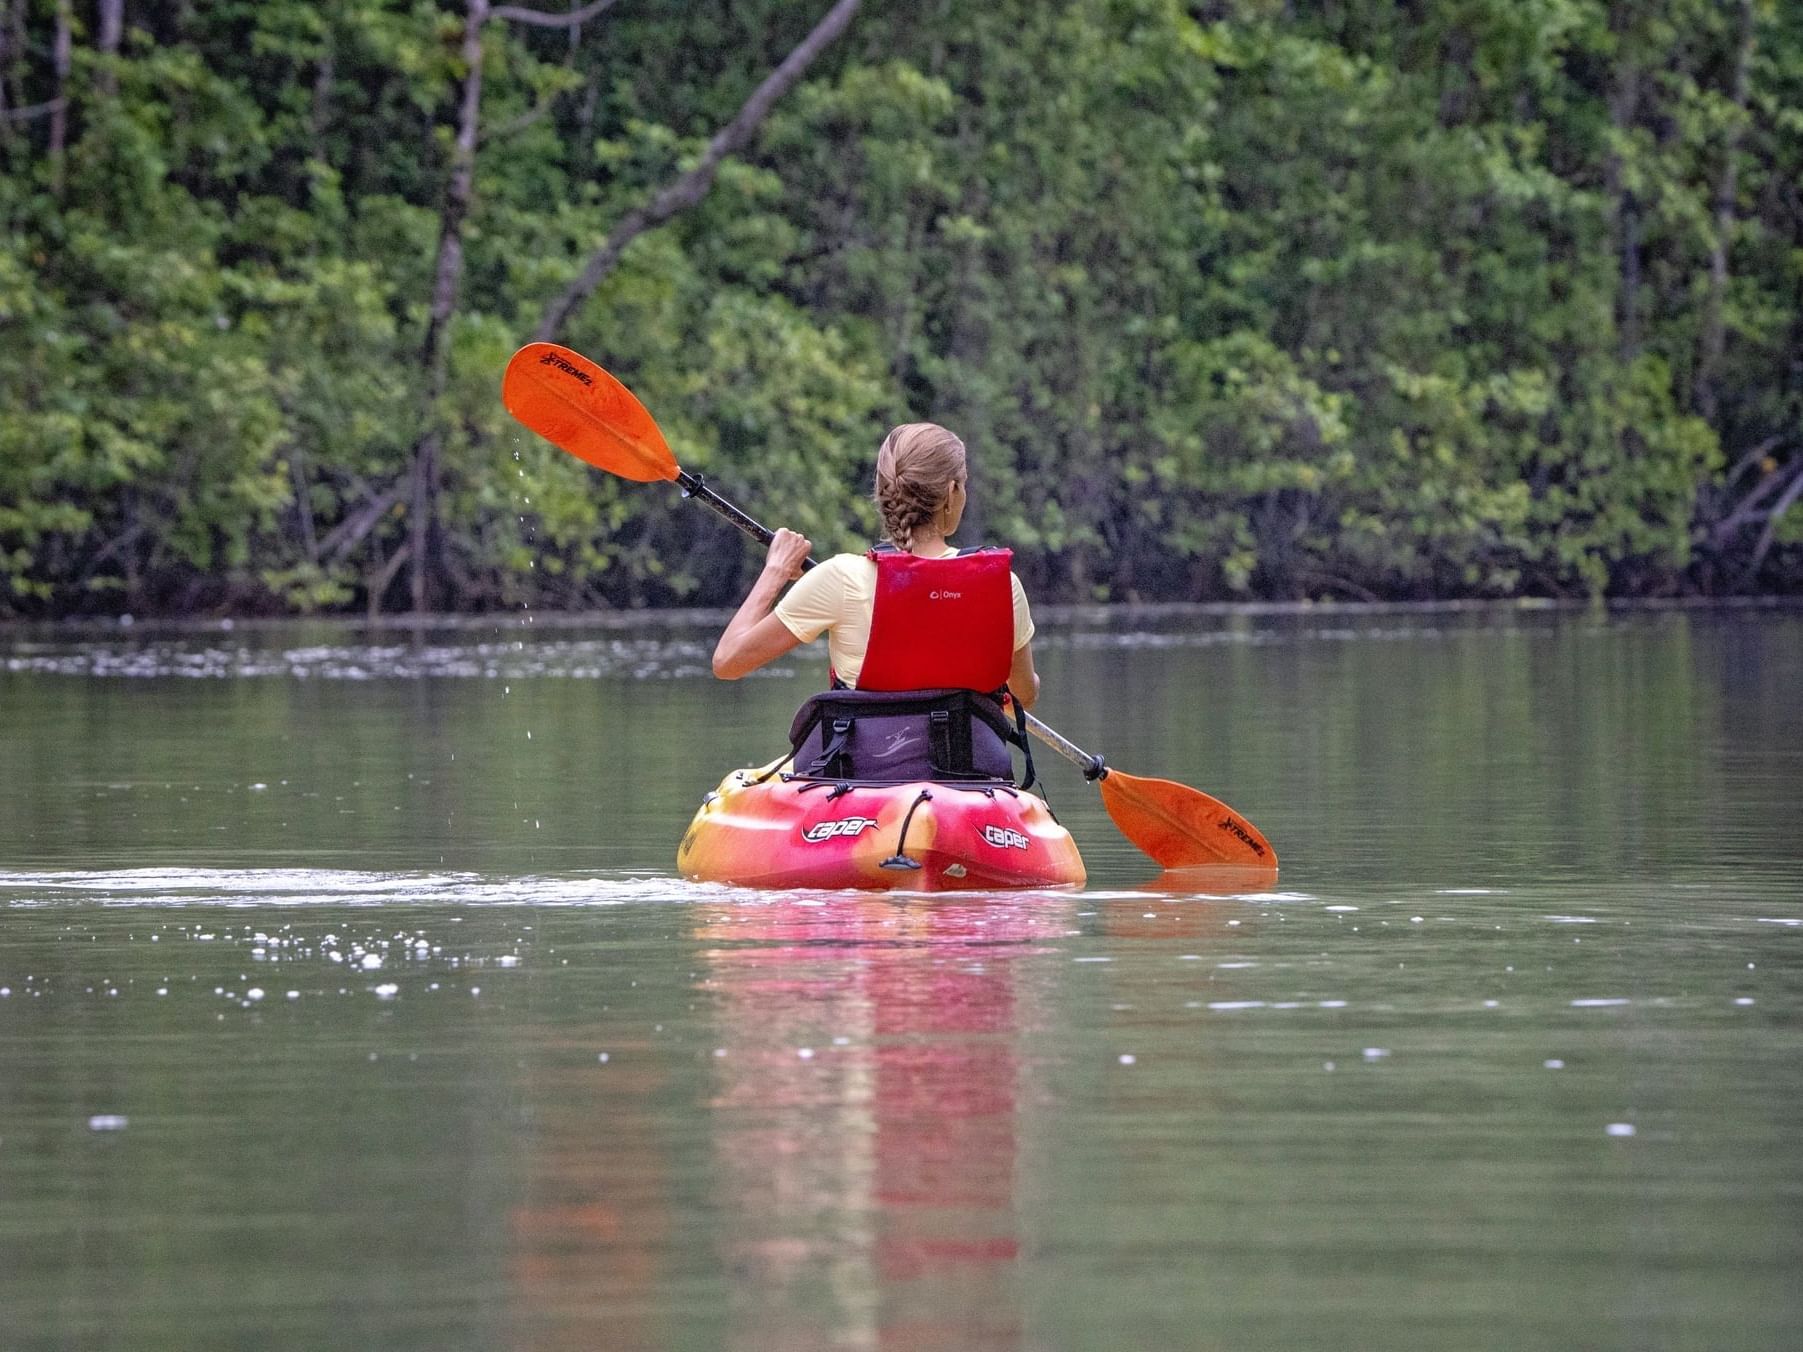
(754, 635)
(1023, 679)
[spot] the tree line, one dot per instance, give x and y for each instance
(1230, 299)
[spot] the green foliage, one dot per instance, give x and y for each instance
(1464, 298)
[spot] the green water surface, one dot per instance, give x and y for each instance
(347, 999)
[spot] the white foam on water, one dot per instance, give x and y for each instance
(1599, 1002)
(284, 887)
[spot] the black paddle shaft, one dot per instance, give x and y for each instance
(694, 486)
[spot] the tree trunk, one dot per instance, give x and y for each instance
(1715, 329)
(319, 114)
(61, 52)
(447, 276)
(9, 67)
(110, 33)
(691, 187)
(1624, 225)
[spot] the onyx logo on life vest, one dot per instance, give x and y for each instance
(845, 826)
(568, 368)
(945, 596)
(1005, 837)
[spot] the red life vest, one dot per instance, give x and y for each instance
(940, 623)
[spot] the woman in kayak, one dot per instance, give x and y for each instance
(921, 492)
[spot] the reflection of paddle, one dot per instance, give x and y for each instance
(578, 407)
(1212, 880)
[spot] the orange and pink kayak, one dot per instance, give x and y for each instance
(759, 829)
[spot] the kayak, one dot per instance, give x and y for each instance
(761, 828)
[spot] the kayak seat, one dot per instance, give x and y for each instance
(899, 736)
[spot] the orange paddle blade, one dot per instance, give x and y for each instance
(575, 405)
(1181, 827)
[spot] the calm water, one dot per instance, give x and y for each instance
(347, 999)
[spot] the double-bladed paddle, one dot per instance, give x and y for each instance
(578, 407)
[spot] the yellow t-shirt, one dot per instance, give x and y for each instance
(836, 598)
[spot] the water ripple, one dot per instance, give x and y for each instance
(184, 887)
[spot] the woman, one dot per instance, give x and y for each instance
(921, 479)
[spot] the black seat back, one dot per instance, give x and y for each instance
(901, 735)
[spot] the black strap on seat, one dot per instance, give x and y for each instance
(834, 753)
(939, 740)
(1022, 740)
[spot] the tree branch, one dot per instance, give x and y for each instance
(1753, 457)
(539, 19)
(35, 110)
(692, 186)
(1770, 533)
(352, 531)
(1748, 509)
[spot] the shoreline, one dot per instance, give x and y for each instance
(712, 617)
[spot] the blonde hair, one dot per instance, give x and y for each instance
(915, 470)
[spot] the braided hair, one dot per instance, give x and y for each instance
(915, 470)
